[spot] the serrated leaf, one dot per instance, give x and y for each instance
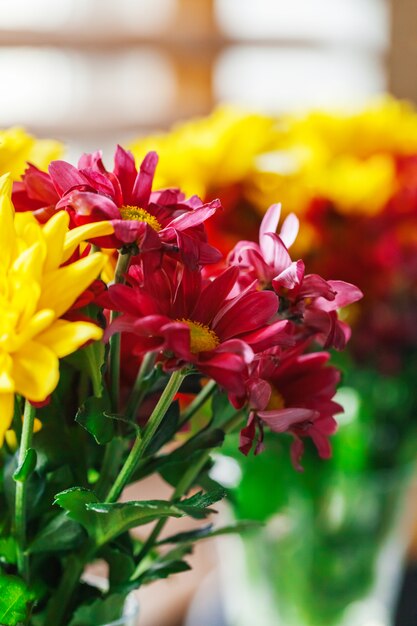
(74, 501)
(92, 416)
(100, 611)
(202, 500)
(107, 520)
(15, 599)
(104, 521)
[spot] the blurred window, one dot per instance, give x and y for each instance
(92, 72)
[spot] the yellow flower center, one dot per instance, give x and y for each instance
(202, 338)
(276, 401)
(137, 214)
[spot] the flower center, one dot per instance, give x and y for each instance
(202, 338)
(276, 401)
(137, 214)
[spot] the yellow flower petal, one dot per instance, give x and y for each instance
(30, 262)
(64, 337)
(6, 413)
(37, 324)
(82, 233)
(7, 231)
(62, 287)
(35, 371)
(6, 380)
(55, 231)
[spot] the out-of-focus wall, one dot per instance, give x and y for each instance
(92, 72)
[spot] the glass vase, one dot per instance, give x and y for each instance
(130, 613)
(332, 560)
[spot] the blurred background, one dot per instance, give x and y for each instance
(93, 73)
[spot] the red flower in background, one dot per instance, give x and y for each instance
(307, 298)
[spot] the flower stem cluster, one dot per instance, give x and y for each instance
(185, 334)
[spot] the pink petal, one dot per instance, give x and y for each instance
(126, 172)
(143, 184)
(291, 277)
(297, 451)
(253, 310)
(289, 229)
(65, 176)
(284, 419)
(214, 294)
(86, 203)
(275, 253)
(270, 221)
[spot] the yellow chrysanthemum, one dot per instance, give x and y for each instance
(348, 159)
(17, 148)
(204, 155)
(35, 291)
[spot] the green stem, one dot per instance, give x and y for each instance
(21, 494)
(141, 385)
(115, 449)
(119, 276)
(198, 402)
(184, 484)
(142, 442)
(73, 571)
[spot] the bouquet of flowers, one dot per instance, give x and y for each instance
(352, 180)
(116, 307)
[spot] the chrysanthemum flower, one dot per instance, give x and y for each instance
(153, 220)
(38, 284)
(189, 320)
(17, 148)
(300, 401)
(303, 297)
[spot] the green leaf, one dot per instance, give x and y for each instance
(105, 521)
(197, 505)
(74, 501)
(15, 599)
(121, 565)
(100, 611)
(166, 429)
(160, 570)
(59, 534)
(8, 550)
(27, 466)
(109, 520)
(92, 416)
(205, 532)
(222, 410)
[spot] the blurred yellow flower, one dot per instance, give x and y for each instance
(204, 155)
(35, 291)
(347, 159)
(18, 147)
